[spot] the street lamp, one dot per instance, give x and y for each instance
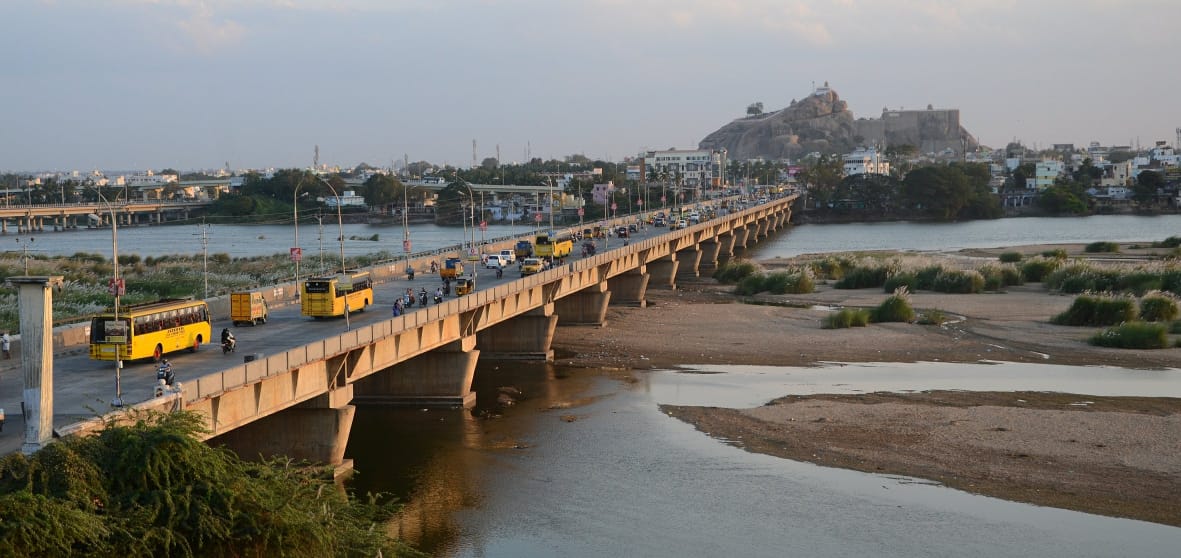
(116, 287)
(296, 252)
(340, 228)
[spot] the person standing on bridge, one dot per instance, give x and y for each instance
(6, 345)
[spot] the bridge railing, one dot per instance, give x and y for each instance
(215, 383)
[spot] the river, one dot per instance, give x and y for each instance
(588, 466)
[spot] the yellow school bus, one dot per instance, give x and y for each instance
(326, 297)
(150, 330)
(546, 246)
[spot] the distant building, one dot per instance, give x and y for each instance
(695, 168)
(600, 193)
(347, 199)
(1046, 173)
(865, 161)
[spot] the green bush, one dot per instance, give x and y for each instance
(1094, 310)
(789, 283)
(1139, 282)
(750, 285)
(959, 281)
(1057, 254)
(863, 278)
(1010, 257)
(896, 308)
(1097, 247)
(832, 268)
(1133, 335)
(1171, 242)
(847, 317)
(1158, 307)
(734, 271)
(925, 277)
(1036, 270)
(997, 277)
(903, 279)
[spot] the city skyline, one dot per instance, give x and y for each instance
(136, 84)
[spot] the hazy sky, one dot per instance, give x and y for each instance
(129, 84)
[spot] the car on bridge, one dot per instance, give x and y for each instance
(529, 266)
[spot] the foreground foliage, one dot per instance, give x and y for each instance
(153, 489)
(1133, 335)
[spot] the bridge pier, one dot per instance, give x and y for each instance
(690, 262)
(442, 377)
(628, 289)
(585, 307)
(725, 247)
(525, 337)
(741, 238)
(664, 272)
(316, 430)
(709, 255)
(35, 296)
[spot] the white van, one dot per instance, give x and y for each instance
(495, 261)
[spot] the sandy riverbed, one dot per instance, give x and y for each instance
(1116, 456)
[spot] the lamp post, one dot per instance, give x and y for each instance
(340, 228)
(296, 252)
(116, 287)
(550, 181)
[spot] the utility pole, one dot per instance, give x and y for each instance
(204, 228)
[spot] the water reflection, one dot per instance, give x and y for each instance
(586, 465)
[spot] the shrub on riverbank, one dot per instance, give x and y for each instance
(734, 271)
(1098, 310)
(153, 488)
(797, 282)
(1101, 247)
(1036, 270)
(896, 308)
(1010, 257)
(1133, 335)
(1158, 307)
(846, 318)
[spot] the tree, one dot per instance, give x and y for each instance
(1145, 189)
(381, 189)
(755, 109)
(1062, 198)
(822, 179)
(955, 191)
(489, 163)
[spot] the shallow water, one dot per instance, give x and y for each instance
(588, 466)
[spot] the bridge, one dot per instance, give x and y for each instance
(32, 218)
(300, 400)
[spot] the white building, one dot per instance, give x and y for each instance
(348, 198)
(1045, 173)
(696, 168)
(1117, 174)
(151, 179)
(866, 161)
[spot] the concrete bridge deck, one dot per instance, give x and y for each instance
(310, 372)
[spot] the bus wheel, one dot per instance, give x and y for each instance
(158, 353)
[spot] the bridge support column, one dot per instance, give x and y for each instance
(441, 378)
(525, 337)
(316, 430)
(585, 307)
(35, 296)
(741, 236)
(725, 247)
(709, 256)
(664, 272)
(763, 229)
(629, 288)
(690, 262)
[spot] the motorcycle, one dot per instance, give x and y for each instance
(164, 372)
(228, 346)
(438, 299)
(422, 300)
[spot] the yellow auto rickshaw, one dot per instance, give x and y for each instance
(464, 286)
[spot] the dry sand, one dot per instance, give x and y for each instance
(1115, 456)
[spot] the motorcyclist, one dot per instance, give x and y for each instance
(422, 296)
(164, 372)
(228, 339)
(438, 295)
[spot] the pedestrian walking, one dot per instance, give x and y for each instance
(6, 345)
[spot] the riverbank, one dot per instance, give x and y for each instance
(1114, 456)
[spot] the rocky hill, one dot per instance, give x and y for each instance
(822, 122)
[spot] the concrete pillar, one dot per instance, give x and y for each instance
(35, 295)
(741, 236)
(316, 430)
(525, 337)
(442, 377)
(709, 256)
(725, 247)
(628, 289)
(4, 226)
(585, 307)
(689, 263)
(663, 272)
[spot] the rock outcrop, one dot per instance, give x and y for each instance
(823, 123)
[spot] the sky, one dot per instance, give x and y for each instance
(187, 84)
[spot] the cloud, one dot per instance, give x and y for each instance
(207, 32)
